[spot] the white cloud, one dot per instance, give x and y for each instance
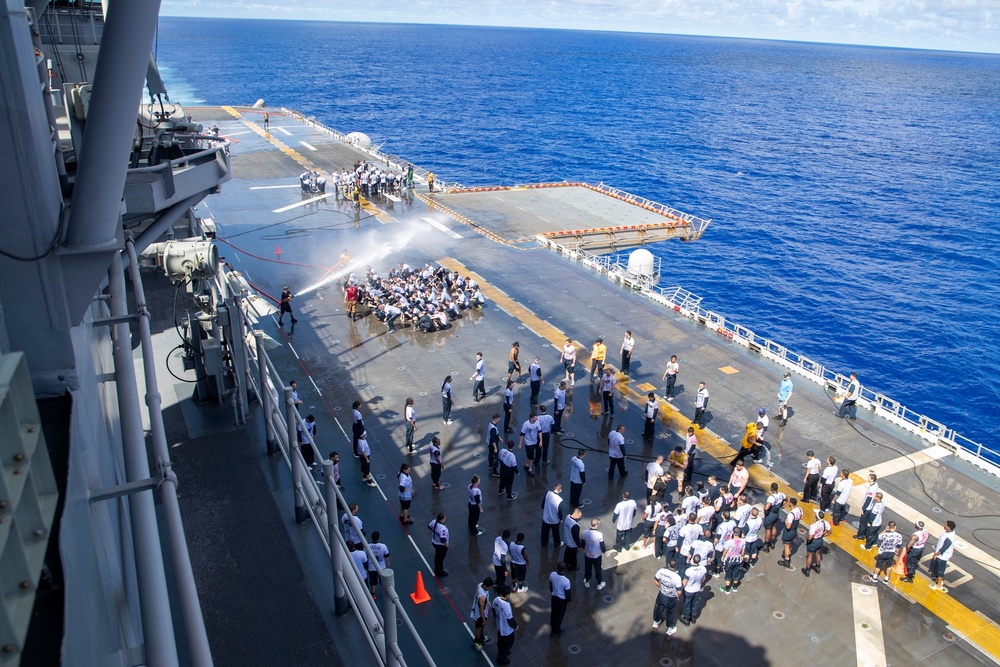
(965, 25)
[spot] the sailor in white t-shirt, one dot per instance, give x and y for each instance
(693, 581)
(841, 496)
(559, 586)
(915, 549)
(624, 519)
(500, 555)
(814, 542)
(593, 552)
(669, 585)
(943, 552)
(480, 612)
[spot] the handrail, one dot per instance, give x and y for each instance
(688, 304)
(315, 500)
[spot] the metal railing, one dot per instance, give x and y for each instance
(319, 505)
(688, 304)
(698, 225)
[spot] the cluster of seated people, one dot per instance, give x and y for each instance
(427, 299)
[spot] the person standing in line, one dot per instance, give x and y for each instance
(508, 406)
(531, 432)
(512, 362)
(577, 477)
(889, 543)
(535, 376)
(335, 458)
(364, 455)
(627, 346)
(841, 496)
(506, 624)
(571, 538)
(508, 469)
(410, 415)
(267, 122)
(723, 533)
(381, 553)
(479, 377)
(552, 515)
(493, 445)
(616, 453)
(866, 507)
(296, 401)
(784, 394)
(501, 553)
(849, 407)
(360, 559)
(559, 586)
(690, 450)
(738, 480)
(772, 515)
(700, 405)
(792, 518)
(670, 377)
(915, 550)
(597, 354)
(475, 506)
(608, 382)
(876, 511)
(814, 542)
(651, 411)
(439, 540)
(827, 480)
(654, 471)
(480, 611)
(760, 449)
(357, 425)
(405, 483)
(624, 520)
(669, 585)
(754, 524)
(545, 422)
(285, 306)
(446, 401)
(518, 564)
(558, 407)
(593, 553)
(688, 534)
(943, 552)
(352, 526)
(568, 359)
(811, 479)
(437, 463)
(693, 581)
(307, 440)
(733, 556)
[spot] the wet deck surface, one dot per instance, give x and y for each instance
(778, 617)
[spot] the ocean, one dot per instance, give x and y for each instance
(854, 191)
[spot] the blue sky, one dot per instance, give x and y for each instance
(958, 25)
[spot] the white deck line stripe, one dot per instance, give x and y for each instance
(901, 463)
(274, 187)
(281, 129)
(309, 146)
(315, 386)
(294, 352)
(438, 225)
(236, 134)
(869, 644)
(301, 203)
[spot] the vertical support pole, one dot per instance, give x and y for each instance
(265, 395)
(389, 615)
(340, 604)
(237, 347)
(298, 475)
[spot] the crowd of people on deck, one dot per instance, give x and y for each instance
(427, 299)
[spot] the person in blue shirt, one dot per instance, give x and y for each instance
(784, 393)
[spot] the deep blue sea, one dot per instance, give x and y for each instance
(854, 191)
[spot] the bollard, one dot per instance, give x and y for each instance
(340, 604)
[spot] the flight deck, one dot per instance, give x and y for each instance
(278, 236)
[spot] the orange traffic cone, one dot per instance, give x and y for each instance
(420, 595)
(900, 566)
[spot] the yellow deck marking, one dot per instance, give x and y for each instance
(967, 623)
(645, 386)
(728, 370)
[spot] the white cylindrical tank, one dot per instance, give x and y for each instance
(360, 139)
(640, 263)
